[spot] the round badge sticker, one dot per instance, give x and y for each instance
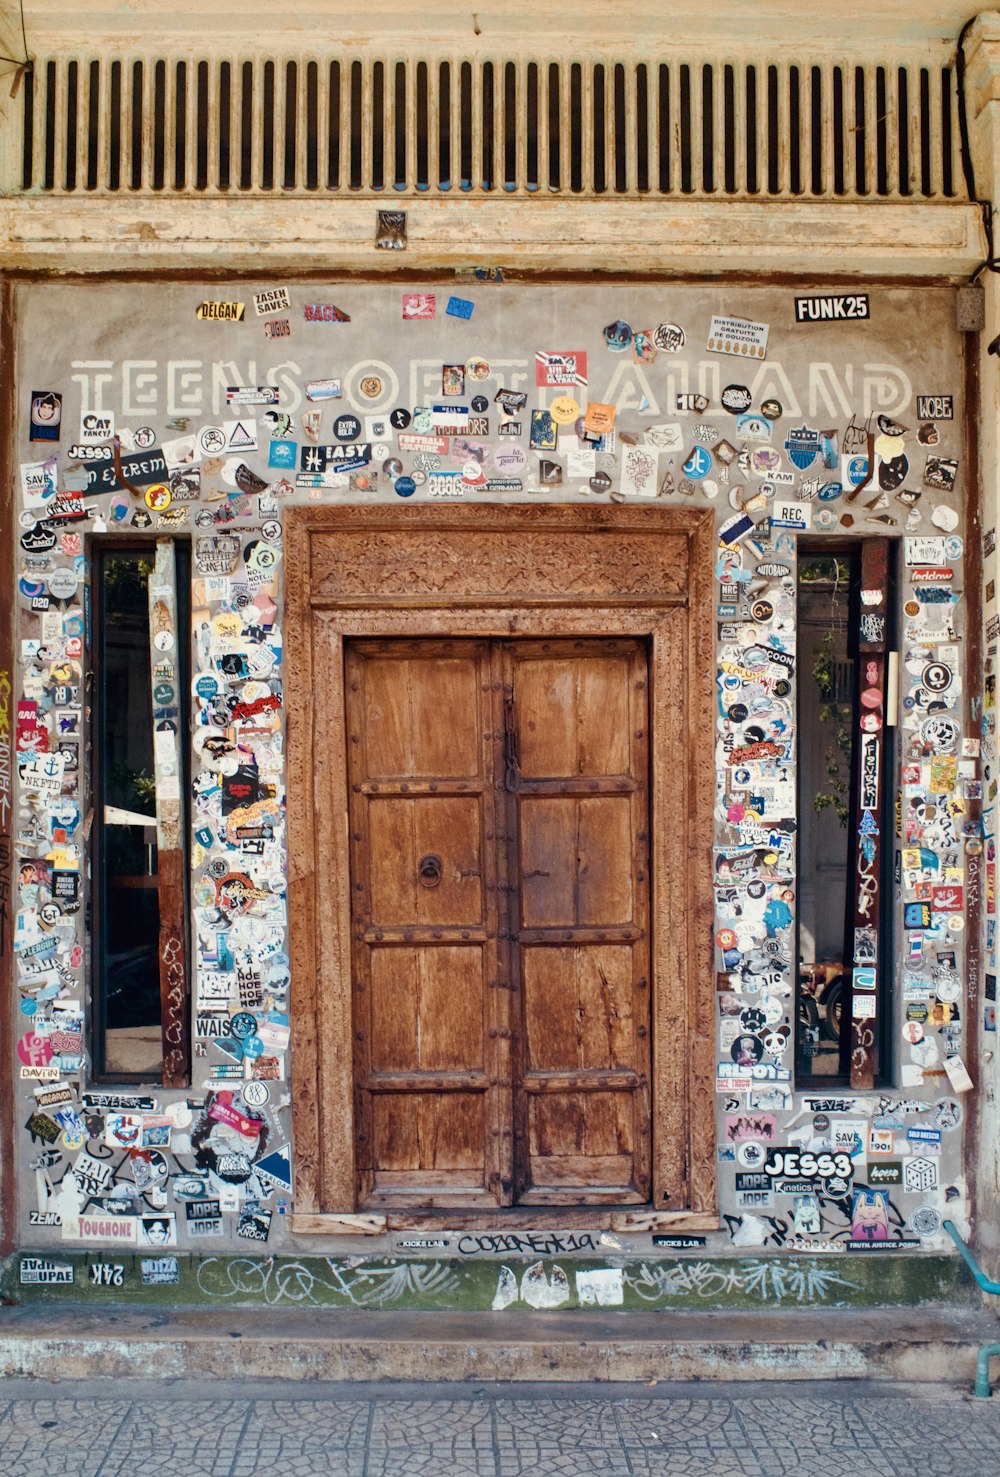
(63, 583)
(347, 428)
(669, 337)
(477, 368)
(255, 1094)
(736, 399)
(771, 409)
(936, 677)
(243, 1024)
(157, 497)
(698, 464)
(480, 404)
(510, 460)
(371, 386)
(404, 486)
(746, 1051)
(564, 410)
(399, 419)
(925, 1221)
(618, 336)
(751, 1154)
(253, 1046)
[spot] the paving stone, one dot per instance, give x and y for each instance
(198, 1438)
(463, 1424)
(729, 1432)
(68, 1437)
(327, 1425)
(430, 1461)
(699, 1424)
(343, 1463)
(559, 1423)
(552, 1462)
(697, 1464)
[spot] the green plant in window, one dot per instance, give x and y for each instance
(138, 786)
(836, 796)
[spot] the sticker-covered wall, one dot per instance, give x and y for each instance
(824, 429)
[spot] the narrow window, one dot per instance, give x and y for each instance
(139, 746)
(845, 828)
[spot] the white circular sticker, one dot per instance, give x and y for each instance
(64, 583)
(510, 460)
(255, 1094)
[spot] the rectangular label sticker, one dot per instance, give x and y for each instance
(737, 336)
(838, 305)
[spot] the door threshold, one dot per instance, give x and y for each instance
(629, 1220)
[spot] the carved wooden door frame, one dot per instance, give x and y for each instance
(500, 571)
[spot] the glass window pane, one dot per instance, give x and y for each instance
(825, 729)
(127, 923)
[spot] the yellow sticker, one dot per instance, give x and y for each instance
(227, 625)
(564, 410)
(157, 497)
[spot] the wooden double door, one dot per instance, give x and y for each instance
(499, 814)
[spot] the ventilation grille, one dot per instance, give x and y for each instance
(378, 126)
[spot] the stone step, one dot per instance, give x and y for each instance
(932, 1343)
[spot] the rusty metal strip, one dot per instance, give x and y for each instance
(116, 452)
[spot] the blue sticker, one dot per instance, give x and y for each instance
(405, 486)
(460, 307)
(856, 470)
(282, 454)
(698, 464)
(29, 1006)
(253, 1047)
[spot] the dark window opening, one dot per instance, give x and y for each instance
(837, 719)
(128, 1043)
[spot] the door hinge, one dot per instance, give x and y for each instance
(511, 752)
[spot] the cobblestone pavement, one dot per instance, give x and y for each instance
(787, 1430)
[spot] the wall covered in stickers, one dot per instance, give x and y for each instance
(201, 412)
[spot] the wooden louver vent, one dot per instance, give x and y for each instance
(372, 125)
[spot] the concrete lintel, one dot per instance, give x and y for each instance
(241, 235)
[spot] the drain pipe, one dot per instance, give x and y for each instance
(982, 1389)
